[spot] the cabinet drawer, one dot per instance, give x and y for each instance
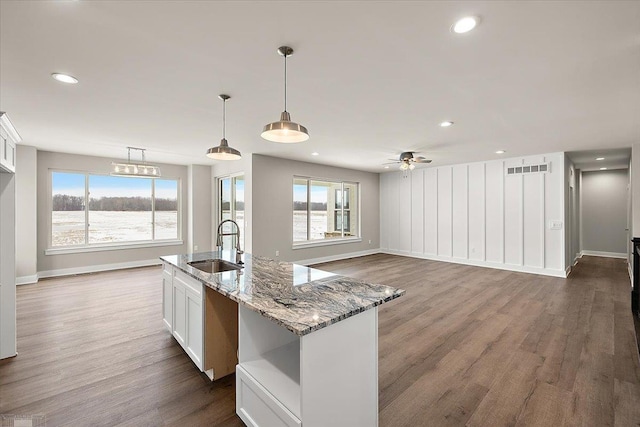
(188, 282)
(257, 407)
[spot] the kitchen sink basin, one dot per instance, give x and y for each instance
(214, 265)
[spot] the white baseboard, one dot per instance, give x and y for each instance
(499, 266)
(605, 254)
(577, 257)
(27, 280)
(337, 257)
(96, 268)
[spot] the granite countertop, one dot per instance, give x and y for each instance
(300, 299)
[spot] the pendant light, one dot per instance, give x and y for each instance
(285, 130)
(135, 169)
(223, 151)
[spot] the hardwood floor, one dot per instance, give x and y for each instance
(465, 346)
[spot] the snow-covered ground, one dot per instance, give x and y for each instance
(318, 225)
(111, 226)
(116, 226)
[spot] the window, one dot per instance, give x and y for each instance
(120, 210)
(231, 206)
(324, 210)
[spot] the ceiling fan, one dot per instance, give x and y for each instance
(407, 160)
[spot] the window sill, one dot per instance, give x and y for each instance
(111, 247)
(327, 242)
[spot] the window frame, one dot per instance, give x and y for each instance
(357, 237)
(232, 205)
(96, 247)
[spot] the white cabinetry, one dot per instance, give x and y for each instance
(187, 315)
(8, 139)
(179, 313)
(194, 339)
(183, 311)
(284, 380)
(167, 296)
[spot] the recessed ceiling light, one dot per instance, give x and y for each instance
(603, 169)
(446, 124)
(500, 152)
(465, 24)
(315, 153)
(599, 158)
(386, 167)
(64, 78)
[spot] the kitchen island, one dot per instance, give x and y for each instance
(307, 340)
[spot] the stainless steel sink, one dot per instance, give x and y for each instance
(214, 265)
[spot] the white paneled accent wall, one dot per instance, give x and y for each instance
(478, 214)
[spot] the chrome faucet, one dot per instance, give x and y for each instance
(219, 236)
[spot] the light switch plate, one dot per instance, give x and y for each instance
(555, 225)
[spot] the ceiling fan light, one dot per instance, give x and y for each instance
(285, 131)
(404, 166)
(412, 166)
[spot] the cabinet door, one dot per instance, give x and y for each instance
(167, 297)
(194, 327)
(179, 313)
(7, 152)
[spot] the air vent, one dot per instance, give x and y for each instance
(517, 170)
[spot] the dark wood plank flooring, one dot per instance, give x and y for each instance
(465, 346)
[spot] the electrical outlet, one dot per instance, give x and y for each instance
(277, 253)
(195, 247)
(369, 241)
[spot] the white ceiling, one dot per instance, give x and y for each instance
(613, 159)
(368, 79)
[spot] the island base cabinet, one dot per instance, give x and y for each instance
(339, 373)
(203, 321)
(167, 296)
(179, 314)
(221, 335)
(193, 343)
(325, 378)
(257, 407)
(188, 316)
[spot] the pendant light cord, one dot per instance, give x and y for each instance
(224, 119)
(285, 82)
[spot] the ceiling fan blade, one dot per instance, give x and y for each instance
(391, 163)
(420, 160)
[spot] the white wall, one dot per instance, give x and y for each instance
(26, 214)
(272, 200)
(476, 214)
(630, 220)
(572, 212)
(635, 189)
(604, 212)
(7, 265)
(200, 214)
(49, 265)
